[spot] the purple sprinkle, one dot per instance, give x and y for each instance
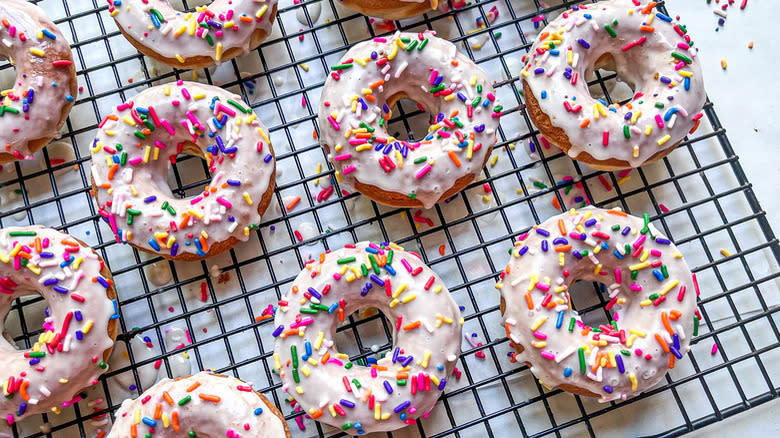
(608, 389)
(584, 43)
(620, 365)
(62, 290)
(590, 222)
(402, 406)
(388, 387)
(278, 331)
(543, 232)
(346, 403)
(544, 245)
(50, 282)
(315, 293)
(77, 314)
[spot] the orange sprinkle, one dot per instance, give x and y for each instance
(454, 158)
(647, 28)
(341, 314)
(209, 397)
(263, 317)
(529, 300)
(454, 62)
(105, 186)
(563, 248)
(674, 314)
(158, 411)
(544, 35)
(325, 358)
(204, 245)
(38, 246)
(441, 250)
(671, 361)
(402, 376)
(289, 332)
(175, 420)
(695, 127)
(246, 19)
(556, 204)
(412, 326)
(662, 343)
(193, 387)
(585, 123)
(508, 334)
(667, 325)
(168, 398)
(370, 98)
(70, 243)
(616, 212)
(314, 133)
(316, 414)
(293, 203)
(23, 390)
(562, 227)
(112, 170)
(454, 114)
(649, 7)
(133, 430)
(377, 83)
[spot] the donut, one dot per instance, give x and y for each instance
(209, 35)
(130, 159)
(392, 9)
(79, 329)
(651, 51)
(34, 110)
(396, 389)
(201, 405)
(651, 298)
(357, 102)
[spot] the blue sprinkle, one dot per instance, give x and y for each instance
(258, 411)
(666, 18)
(544, 94)
(567, 372)
(390, 269)
(658, 275)
(153, 243)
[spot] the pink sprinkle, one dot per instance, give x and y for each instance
(605, 138)
(224, 202)
(159, 144)
(714, 349)
(663, 208)
(434, 74)
(185, 93)
(196, 200)
(618, 276)
(636, 287)
(540, 335)
(421, 173)
(135, 160)
(681, 293)
(548, 355)
(225, 109)
(334, 123)
(659, 121)
(380, 40)
(343, 157)
(349, 169)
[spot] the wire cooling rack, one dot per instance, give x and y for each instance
(210, 314)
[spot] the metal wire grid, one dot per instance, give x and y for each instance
(713, 205)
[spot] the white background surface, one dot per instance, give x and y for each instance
(746, 100)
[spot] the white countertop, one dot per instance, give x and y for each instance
(746, 100)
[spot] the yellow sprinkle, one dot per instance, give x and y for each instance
(137, 416)
(664, 139)
(669, 286)
(723, 64)
(318, 342)
(305, 371)
(538, 323)
(219, 52)
(426, 358)
(88, 326)
(34, 268)
(277, 362)
(645, 303)
(299, 390)
(4, 258)
(624, 179)
(400, 289)
(304, 66)
(129, 120)
(195, 213)
(247, 198)
(437, 289)
(37, 52)
(408, 298)
(649, 130)
(725, 252)
(394, 50)
(377, 411)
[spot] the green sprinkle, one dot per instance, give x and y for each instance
(296, 377)
(659, 105)
(581, 354)
(420, 160)
(344, 261)
(695, 325)
(192, 434)
(374, 264)
(539, 185)
(348, 365)
(341, 67)
(294, 353)
(479, 88)
(363, 269)
(356, 383)
(309, 311)
(209, 39)
(665, 271)
(37, 354)
(401, 382)
(390, 257)
(476, 101)
(22, 233)
(625, 352)
(572, 321)
(102, 365)
(185, 400)
(615, 227)
(171, 210)
(610, 31)
(498, 108)
(412, 196)
(437, 88)
(138, 134)
(123, 159)
(626, 132)
(346, 426)
(423, 44)
(239, 106)
(411, 46)
(680, 57)
(368, 128)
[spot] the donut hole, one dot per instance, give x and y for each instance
(365, 336)
(23, 323)
(607, 83)
(588, 298)
(188, 5)
(189, 175)
(409, 117)
(7, 73)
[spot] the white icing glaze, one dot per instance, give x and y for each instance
(657, 76)
(67, 275)
(551, 349)
(425, 347)
(180, 35)
(382, 69)
(44, 64)
(239, 411)
(242, 167)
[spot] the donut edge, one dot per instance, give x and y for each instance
(203, 61)
(389, 9)
(399, 200)
(557, 137)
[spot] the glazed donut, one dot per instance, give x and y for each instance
(400, 387)
(357, 102)
(34, 110)
(79, 329)
(392, 9)
(651, 293)
(210, 35)
(130, 169)
(201, 405)
(651, 51)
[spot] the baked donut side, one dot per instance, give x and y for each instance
(204, 404)
(130, 166)
(357, 102)
(650, 51)
(650, 290)
(209, 35)
(35, 109)
(79, 332)
(400, 387)
(391, 9)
